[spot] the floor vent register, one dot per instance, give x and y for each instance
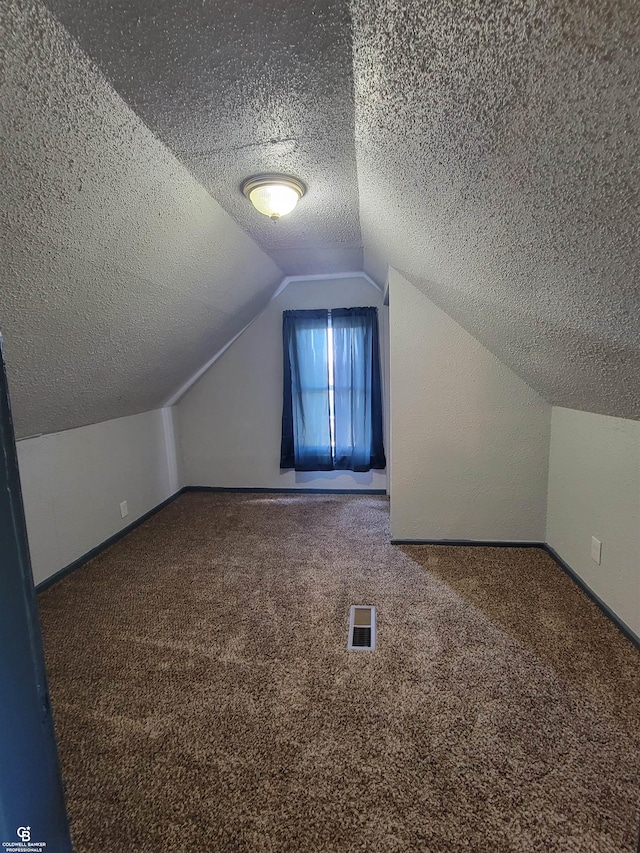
(362, 628)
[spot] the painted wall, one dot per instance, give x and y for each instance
(73, 483)
(594, 490)
(229, 422)
(469, 439)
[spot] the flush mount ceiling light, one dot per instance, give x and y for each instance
(273, 195)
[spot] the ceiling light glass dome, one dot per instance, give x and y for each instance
(273, 195)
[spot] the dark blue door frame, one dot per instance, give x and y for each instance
(31, 797)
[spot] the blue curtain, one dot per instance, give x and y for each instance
(328, 426)
(357, 390)
(306, 437)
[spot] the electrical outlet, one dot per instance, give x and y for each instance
(124, 509)
(596, 550)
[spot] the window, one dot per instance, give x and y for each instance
(332, 393)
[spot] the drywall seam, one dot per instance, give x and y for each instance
(286, 281)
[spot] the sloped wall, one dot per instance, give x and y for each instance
(73, 483)
(469, 439)
(594, 490)
(229, 422)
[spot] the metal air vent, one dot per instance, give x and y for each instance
(362, 628)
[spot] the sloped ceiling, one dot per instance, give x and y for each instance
(120, 274)
(488, 151)
(498, 151)
(238, 88)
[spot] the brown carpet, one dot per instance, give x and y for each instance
(205, 700)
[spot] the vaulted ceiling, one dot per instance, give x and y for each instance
(506, 136)
(488, 151)
(237, 88)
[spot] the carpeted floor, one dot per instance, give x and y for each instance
(205, 699)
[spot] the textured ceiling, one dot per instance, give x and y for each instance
(238, 88)
(488, 151)
(498, 151)
(120, 274)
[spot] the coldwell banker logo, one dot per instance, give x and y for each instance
(25, 843)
